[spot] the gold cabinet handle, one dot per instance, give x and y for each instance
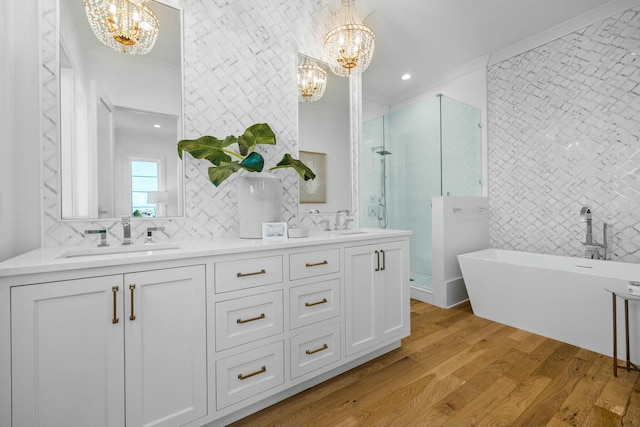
(263, 271)
(324, 347)
(325, 262)
(132, 288)
(252, 374)
(241, 321)
(378, 264)
(115, 289)
(311, 304)
(384, 260)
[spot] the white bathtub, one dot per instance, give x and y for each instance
(558, 297)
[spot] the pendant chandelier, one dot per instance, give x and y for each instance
(124, 25)
(312, 80)
(349, 45)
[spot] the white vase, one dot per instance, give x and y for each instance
(259, 200)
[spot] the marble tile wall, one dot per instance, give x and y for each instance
(239, 69)
(564, 132)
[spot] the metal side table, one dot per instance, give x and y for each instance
(626, 297)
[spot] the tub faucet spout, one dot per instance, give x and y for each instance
(593, 249)
(585, 216)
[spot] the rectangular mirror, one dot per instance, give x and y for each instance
(120, 120)
(324, 141)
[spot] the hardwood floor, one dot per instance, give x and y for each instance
(457, 369)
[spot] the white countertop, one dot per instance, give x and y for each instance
(51, 259)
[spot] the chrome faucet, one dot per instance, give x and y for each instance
(126, 230)
(593, 249)
(339, 225)
(103, 236)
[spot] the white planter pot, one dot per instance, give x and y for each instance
(259, 200)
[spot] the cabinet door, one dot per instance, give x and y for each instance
(360, 295)
(393, 291)
(165, 341)
(68, 354)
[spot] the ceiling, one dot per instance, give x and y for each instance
(428, 38)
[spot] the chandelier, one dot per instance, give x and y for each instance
(124, 25)
(349, 45)
(312, 81)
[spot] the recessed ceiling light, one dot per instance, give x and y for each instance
(406, 76)
(156, 126)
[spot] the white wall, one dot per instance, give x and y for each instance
(7, 136)
(20, 163)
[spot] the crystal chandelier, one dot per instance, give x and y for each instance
(312, 81)
(349, 45)
(124, 25)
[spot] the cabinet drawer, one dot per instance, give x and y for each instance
(314, 350)
(315, 302)
(247, 273)
(315, 263)
(243, 320)
(247, 374)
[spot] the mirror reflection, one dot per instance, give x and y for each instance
(120, 119)
(324, 141)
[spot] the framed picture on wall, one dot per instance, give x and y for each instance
(314, 190)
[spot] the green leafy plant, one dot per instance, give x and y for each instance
(227, 161)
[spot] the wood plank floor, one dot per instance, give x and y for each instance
(457, 369)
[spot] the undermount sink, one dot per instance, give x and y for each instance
(111, 250)
(348, 232)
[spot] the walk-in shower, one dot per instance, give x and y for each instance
(410, 155)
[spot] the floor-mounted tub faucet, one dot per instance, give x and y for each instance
(593, 249)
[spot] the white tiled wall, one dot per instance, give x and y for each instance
(239, 69)
(564, 132)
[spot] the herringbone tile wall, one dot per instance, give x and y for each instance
(564, 132)
(239, 69)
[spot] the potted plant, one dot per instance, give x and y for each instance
(259, 195)
(226, 161)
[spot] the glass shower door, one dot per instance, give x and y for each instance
(414, 178)
(461, 149)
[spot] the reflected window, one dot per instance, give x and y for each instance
(145, 178)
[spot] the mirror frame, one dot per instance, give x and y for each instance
(181, 203)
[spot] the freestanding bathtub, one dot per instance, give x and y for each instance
(559, 297)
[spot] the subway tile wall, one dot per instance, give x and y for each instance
(564, 132)
(239, 69)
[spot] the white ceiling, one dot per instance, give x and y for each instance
(428, 38)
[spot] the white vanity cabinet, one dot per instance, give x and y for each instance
(377, 299)
(123, 349)
(198, 336)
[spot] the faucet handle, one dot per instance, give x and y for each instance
(150, 231)
(126, 219)
(103, 236)
(327, 225)
(348, 220)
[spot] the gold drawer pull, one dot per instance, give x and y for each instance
(132, 288)
(252, 374)
(324, 347)
(325, 262)
(115, 289)
(263, 271)
(311, 304)
(241, 321)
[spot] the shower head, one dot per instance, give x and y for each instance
(381, 151)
